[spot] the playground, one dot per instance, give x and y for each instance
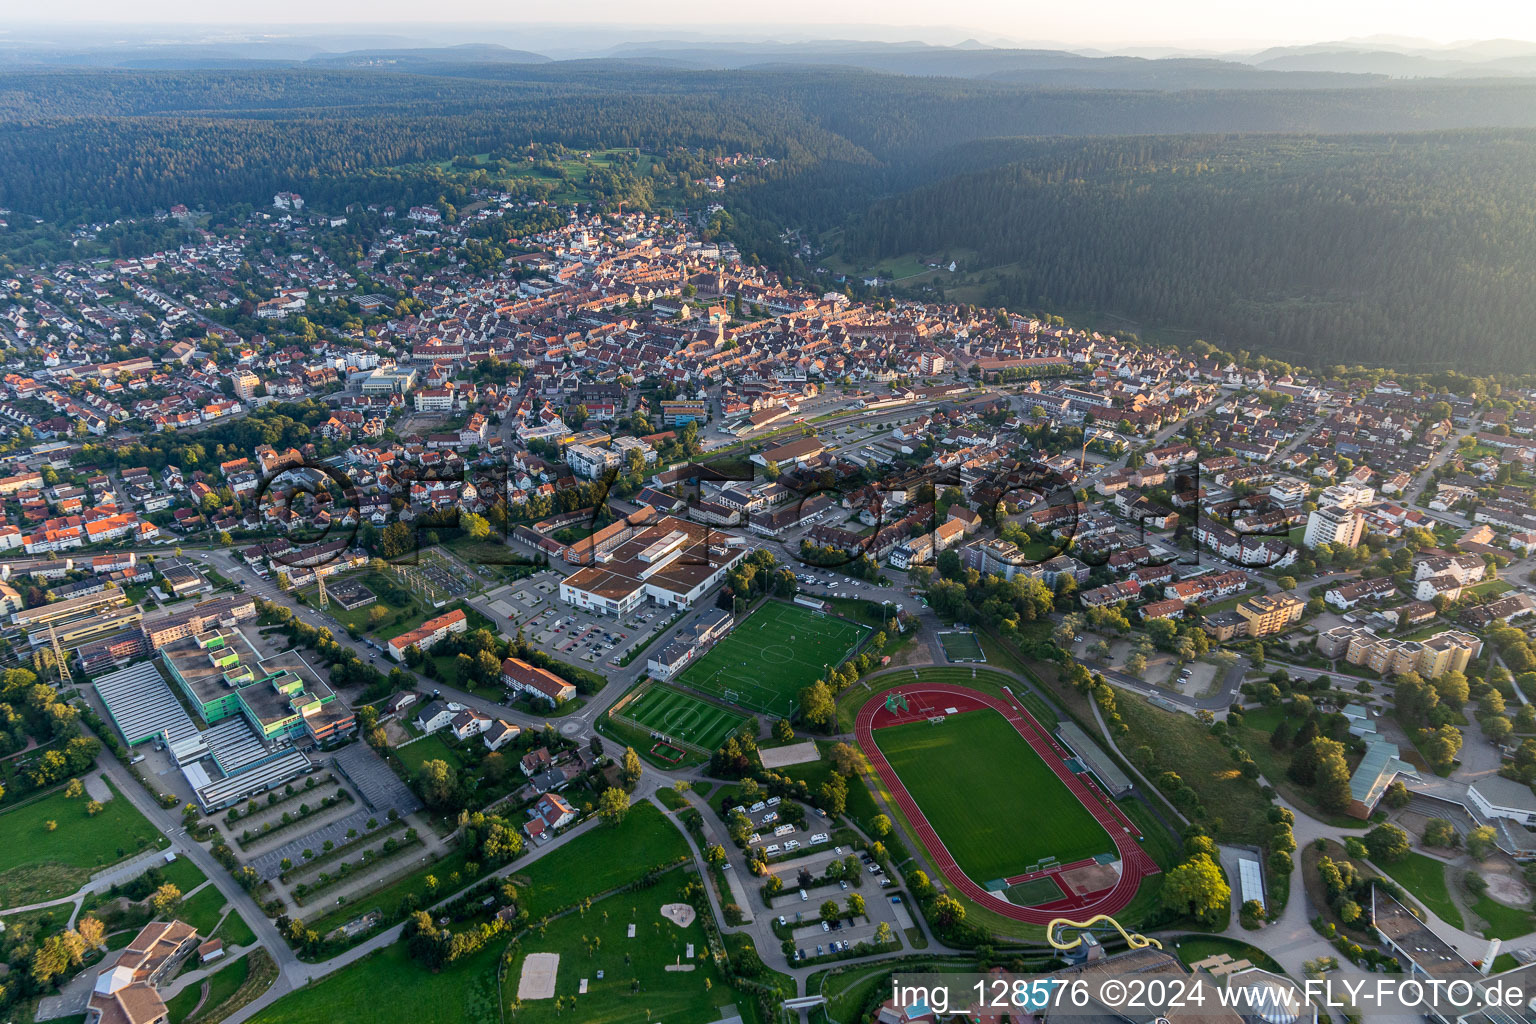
(682, 719)
(773, 654)
(990, 795)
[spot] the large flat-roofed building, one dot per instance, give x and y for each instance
(1446, 651)
(792, 454)
(671, 562)
(221, 611)
(1420, 951)
(1335, 526)
(1497, 797)
(1270, 613)
(1375, 772)
(281, 697)
(676, 412)
(79, 620)
(389, 381)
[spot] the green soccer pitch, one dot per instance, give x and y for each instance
(773, 654)
(998, 808)
(681, 716)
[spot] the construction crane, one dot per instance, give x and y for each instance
(59, 660)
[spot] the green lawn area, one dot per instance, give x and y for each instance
(184, 874)
(429, 748)
(391, 988)
(1181, 744)
(221, 985)
(1424, 877)
(38, 863)
(493, 558)
(201, 911)
(998, 808)
(388, 897)
(772, 655)
(586, 864)
(635, 985)
(235, 932)
(627, 734)
(1491, 588)
(1503, 922)
(683, 717)
(581, 866)
(1198, 947)
(848, 988)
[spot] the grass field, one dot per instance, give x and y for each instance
(1425, 878)
(391, 988)
(995, 804)
(647, 838)
(635, 985)
(37, 863)
(1197, 947)
(221, 985)
(234, 931)
(772, 655)
(682, 717)
(201, 910)
(978, 677)
(1181, 744)
(431, 747)
(1503, 922)
(961, 646)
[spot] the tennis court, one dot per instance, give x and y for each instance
(682, 718)
(773, 654)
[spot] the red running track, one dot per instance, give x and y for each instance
(1135, 863)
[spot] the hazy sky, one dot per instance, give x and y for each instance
(1093, 23)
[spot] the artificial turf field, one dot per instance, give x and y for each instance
(772, 655)
(961, 646)
(682, 717)
(998, 808)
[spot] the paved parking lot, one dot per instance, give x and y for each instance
(815, 864)
(790, 901)
(567, 633)
(270, 864)
(380, 788)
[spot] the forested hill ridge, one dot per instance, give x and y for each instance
(112, 143)
(1313, 224)
(1417, 251)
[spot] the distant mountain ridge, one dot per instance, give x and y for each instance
(1338, 64)
(473, 53)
